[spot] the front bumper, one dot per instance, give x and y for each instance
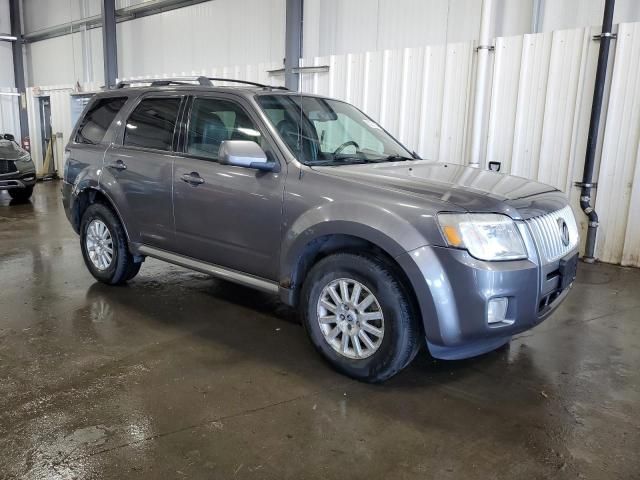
(454, 289)
(17, 180)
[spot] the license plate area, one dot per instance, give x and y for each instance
(568, 269)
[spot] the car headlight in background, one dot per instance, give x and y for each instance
(487, 236)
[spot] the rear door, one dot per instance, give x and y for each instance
(227, 215)
(138, 168)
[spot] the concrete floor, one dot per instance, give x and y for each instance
(178, 375)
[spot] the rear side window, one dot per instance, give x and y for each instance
(95, 123)
(152, 123)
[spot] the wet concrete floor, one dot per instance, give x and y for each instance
(178, 375)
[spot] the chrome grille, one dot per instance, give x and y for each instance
(7, 166)
(547, 234)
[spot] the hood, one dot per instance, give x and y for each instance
(471, 189)
(10, 150)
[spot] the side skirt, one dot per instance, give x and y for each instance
(210, 269)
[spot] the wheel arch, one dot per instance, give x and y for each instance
(87, 195)
(305, 254)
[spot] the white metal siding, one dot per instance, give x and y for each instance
(9, 113)
(223, 32)
(216, 33)
(618, 201)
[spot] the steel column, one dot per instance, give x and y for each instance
(18, 66)
(109, 42)
(293, 43)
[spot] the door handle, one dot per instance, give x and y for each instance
(192, 178)
(118, 165)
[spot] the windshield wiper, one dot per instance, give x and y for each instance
(397, 158)
(351, 159)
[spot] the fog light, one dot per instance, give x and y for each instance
(497, 311)
(28, 179)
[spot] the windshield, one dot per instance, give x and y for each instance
(10, 150)
(320, 131)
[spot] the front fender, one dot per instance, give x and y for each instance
(369, 222)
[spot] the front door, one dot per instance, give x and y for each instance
(140, 169)
(226, 215)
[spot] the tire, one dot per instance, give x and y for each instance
(21, 194)
(400, 340)
(121, 266)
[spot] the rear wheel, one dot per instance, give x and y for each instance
(104, 246)
(359, 317)
(21, 194)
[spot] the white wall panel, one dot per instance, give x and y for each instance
(9, 112)
(618, 201)
(431, 101)
(559, 110)
(334, 27)
(42, 14)
(563, 14)
(6, 48)
(221, 32)
(60, 60)
(456, 95)
(504, 100)
(532, 91)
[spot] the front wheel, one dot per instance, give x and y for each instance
(359, 317)
(104, 246)
(21, 194)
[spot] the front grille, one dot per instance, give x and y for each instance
(7, 166)
(547, 233)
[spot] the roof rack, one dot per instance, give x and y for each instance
(205, 81)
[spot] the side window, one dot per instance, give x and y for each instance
(152, 123)
(214, 121)
(96, 122)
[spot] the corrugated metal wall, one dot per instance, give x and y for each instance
(541, 92)
(9, 113)
(221, 32)
(618, 201)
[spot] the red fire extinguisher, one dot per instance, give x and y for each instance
(26, 144)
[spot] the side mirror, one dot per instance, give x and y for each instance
(8, 136)
(244, 153)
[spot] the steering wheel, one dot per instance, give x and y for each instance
(345, 145)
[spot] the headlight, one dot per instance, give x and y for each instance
(487, 236)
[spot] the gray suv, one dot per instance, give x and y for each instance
(308, 198)
(17, 171)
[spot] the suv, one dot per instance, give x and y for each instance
(17, 172)
(307, 197)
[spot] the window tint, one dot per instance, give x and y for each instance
(95, 123)
(152, 123)
(214, 121)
